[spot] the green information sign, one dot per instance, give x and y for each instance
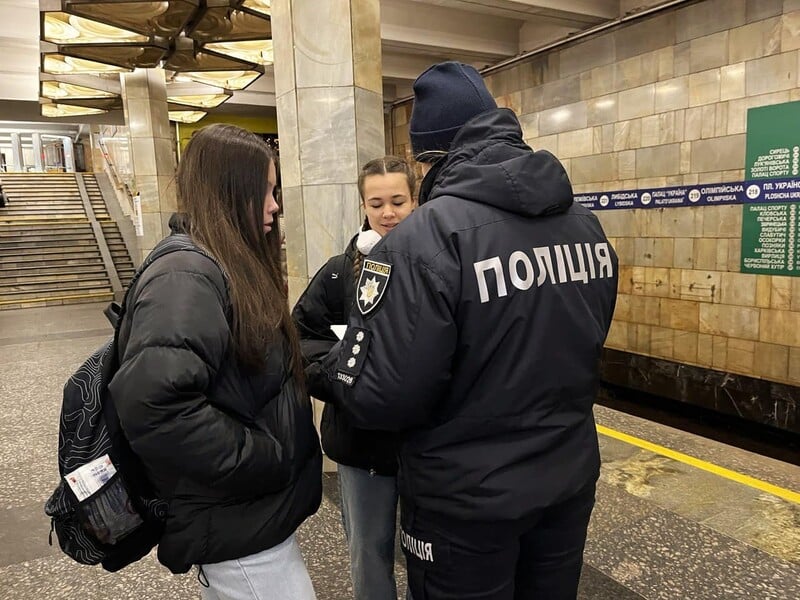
(769, 230)
(769, 233)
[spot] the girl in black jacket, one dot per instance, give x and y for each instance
(210, 390)
(367, 459)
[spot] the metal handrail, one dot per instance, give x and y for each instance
(118, 181)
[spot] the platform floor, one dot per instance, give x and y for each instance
(664, 526)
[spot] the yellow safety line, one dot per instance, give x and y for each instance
(53, 299)
(701, 464)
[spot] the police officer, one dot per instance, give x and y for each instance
(479, 324)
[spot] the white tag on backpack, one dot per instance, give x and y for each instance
(86, 480)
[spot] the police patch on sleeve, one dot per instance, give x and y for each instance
(353, 355)
(372, 285)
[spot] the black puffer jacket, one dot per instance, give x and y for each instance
(327, 301)
(234, 452)
(486, 311)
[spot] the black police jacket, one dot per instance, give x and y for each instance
(480, 321)
(327, 301)
(233, 450)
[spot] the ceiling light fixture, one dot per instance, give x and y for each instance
(259, 52)
(61, 28)
(58, 64)
(66, 110)
(186, 116)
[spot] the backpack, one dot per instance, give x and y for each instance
(104, 509)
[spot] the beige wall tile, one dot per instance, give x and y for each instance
(617, 223)
(771, 361)
(704, 87)
(705, 254)
(723, 253)
(790, 31)
(628, 73)
(675, 279)
(796, 294)
(681, 57)
(563, 118)
(794, 365)
(603, 80)
(642, 339)
(530, 125)
(719, 347)
(693, 123)
(661, 342)
(672, 94)
(700, 285)
(603, 110)
(685, 347)
(627, 135)
(682, 222)
(650, 130)
(718, 153)
(705, 349)
(624, 248)
(625, 280)
(645, 309)
(680, 314)
(638, 102)
(607, 137)
(622, 310)
(738, 289)
(780, 327)
(708, 17)
(762, 38)
(559, 92)
(686, 159)
(781, 293)
(643, 250)
(684, 253)
(722, 221)
(708, 129)
(741, 354)
(546, 142)
(708, 52)
(763, 9)
(763, 291)
(771, 74)
(737, 116)
(732, 81)
(721, 120)
(588, 169)
(658, 161)
(627, 164)
(587, 55)
(645, 36)
(576, 143)
(665, 61)
(618, 335)
(656, 285)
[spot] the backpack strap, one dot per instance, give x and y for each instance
(175, 243)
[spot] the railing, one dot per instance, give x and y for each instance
(127, 202)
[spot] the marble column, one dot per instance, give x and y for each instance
(69, 154)
(38, 160)
(144, 95)
(17, 161)
(330, 122)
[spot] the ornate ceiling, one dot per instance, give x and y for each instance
(207, 48)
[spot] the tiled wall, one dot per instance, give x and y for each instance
(664, 102)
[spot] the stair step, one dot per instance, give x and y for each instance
(78, 279)
(53, 285)
(8, 259)
(34, 246)
(61, 270)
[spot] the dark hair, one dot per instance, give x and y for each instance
(222, 184)
(383, 166)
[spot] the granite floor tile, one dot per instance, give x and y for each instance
(664, 556)
(595, 585)
(24, 535)
(767, 469)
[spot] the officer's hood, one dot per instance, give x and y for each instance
(489, 163)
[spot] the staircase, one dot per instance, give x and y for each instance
(48, 250)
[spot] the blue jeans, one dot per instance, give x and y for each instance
(278, 573)
(369, 512)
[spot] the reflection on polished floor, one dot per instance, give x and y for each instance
(661, 528)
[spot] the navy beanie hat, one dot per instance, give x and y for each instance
(446, 96)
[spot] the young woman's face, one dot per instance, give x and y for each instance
(270, 204)
(387, 201)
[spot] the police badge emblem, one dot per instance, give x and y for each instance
(372, 285)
